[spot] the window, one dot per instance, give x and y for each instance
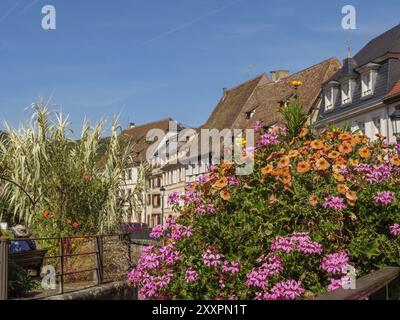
(250, 114)
(129, 171)
(361, 127)
(329, 98)
(156, 201)
(366, 84)
(346, 92)
(377, 125)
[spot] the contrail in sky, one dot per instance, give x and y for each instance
(188, 24)
(16, 4)
(27, 7)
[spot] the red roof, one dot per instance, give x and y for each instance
(395, 90)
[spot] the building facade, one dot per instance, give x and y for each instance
(358, 95)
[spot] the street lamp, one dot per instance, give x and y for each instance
(395, 118)
(162, 189)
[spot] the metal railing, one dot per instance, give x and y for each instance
(64, 243)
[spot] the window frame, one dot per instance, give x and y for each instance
(347, 98)
(329, 107)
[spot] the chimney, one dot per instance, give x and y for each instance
(279, 74)
(131, 125)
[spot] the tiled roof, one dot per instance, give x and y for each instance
(232, 103)
(137, 137)
(267, 98)
(395, 90)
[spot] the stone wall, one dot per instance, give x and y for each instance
(110, 291)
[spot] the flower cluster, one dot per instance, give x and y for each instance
(211, 258)
(384, 197)
(150, 273)
(258, 277)
(156, 231)
(231, 267)
(334, 203)
(338, 283)
(395, 230)
(375, 173)
(191, 275)
(335, 263)
(300, 241)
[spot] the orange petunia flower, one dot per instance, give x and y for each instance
(342, 188)
(221, 183)
(353, 142)
(267, 170)
(351, 196)
(395, 161)
(303, 167)
(321, 164)
(225, 195)
(330, 135)
(344, 136)
(333, 155)
(283, 162)
(341, 161)
(226, 166)
(353, 162)
(303, 151)
(293, 154)
(351, 204)
(316, 144)
(313, 200)
(359, 138)
(303, 132)
(327, 148)
(287, 179)
(338, 177)
(345, 148)
(364, 152)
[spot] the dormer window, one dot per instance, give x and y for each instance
(347, 92)
(329, 98)
(250, 114)
(369, 74)
(366, 84)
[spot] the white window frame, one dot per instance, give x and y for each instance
(329, 103)
(366, 83)
(377, 125)
(347, 97)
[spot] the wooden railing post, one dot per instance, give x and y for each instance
(4, 268)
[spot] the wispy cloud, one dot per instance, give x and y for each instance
(187, 24)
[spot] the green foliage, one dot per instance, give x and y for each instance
(54, 183)
(19, 281)
(294, 117)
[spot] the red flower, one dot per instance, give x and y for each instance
(87, 178)
(75, 225)
(46, 213)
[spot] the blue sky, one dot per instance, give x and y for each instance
(150, 59)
